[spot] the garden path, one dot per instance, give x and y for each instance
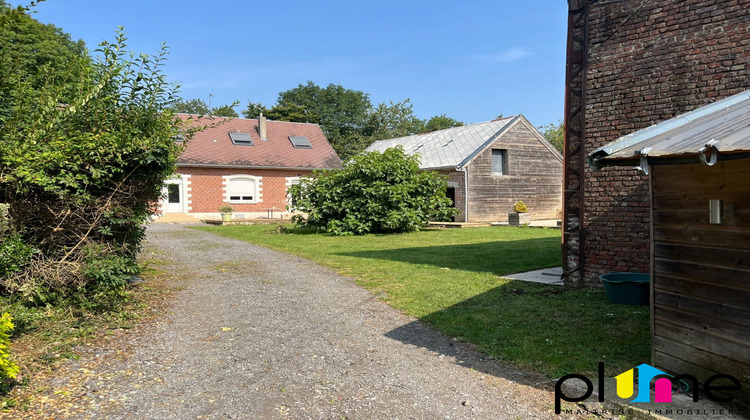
(259, 334)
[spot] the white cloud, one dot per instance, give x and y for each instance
(512, 54)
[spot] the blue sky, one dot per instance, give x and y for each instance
(470, 60)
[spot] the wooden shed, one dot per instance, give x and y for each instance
(490, 166)
(698, 166)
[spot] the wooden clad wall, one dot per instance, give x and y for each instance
(534, 177)
(701, 271)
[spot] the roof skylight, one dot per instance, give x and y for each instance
(242, 139)
(300, 142)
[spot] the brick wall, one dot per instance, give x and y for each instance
(649, 61)
(456, 180)
(206, 189)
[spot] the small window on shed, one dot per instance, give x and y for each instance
(242, 139)
(500, 161)
(300, 142)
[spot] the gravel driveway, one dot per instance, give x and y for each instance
(261, 334)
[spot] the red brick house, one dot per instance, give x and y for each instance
(248, 163)
(630, 65)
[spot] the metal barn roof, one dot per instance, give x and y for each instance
(706, 134)
(448, 148)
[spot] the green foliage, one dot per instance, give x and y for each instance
(88, 172)
(35, 53)
(14, 254)
(441, 122)
(107, 273)
(191, 106)
(225, 111)
(8, 369)
(346, 116)
(554, 133)
(253, 110)
(375, 192)
(199, 107)
(226, 208)
(391, 121)
(4, 220)
(520, 207)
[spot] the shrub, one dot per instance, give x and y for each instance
(375, 192)
(8, 369)
(84, 174)
(226, 208)
(520, 207)
(14, 255)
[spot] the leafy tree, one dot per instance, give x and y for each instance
(225, 111)
(38, 54)
(347, 116)
(441, 122)
(394, 120)
(292, 112)
(81, 178)
(199, 107)
(375, 192)
(554, 133)
(340, 112)
(253, 110)
(191, 106)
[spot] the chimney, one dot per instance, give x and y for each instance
(262, 127)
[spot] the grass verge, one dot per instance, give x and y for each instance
(452, 280)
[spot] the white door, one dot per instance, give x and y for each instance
(172, 196)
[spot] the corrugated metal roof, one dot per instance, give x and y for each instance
(451, 147)
(726, 122)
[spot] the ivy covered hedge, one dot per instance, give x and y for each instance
(85, 144)
(375, 192)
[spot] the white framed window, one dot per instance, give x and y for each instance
(240, 189)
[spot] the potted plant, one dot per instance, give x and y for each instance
(520, 215)
(226, 212)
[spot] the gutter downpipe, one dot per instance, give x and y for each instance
(466, 194)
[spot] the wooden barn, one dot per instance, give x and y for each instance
(698, 167)
(490, 166)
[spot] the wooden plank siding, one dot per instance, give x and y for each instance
(701, 271)
(534, 177)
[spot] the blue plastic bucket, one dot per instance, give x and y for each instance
(626, 288)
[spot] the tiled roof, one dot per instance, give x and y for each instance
(213, 146)
(721, 128)
(451, 147)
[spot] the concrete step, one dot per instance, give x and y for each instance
(176, 218)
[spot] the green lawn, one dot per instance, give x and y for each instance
(452, 280)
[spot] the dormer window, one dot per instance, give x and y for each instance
(299, 142)
(241, 139)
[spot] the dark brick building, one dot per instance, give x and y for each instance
(632, 64)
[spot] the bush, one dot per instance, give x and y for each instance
(8, 369)
(83, 175)
(520, 207)
(14, 255)
(375, 192)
